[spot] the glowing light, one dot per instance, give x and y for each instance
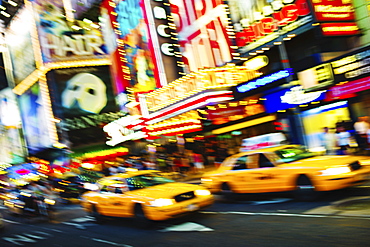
(264, 80)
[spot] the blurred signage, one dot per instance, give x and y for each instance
(290, 98)
(118, 132)
(63, 40)
(250, 85)
(202, 28)
(352, 66)
(163, 36)
(340, 29)
(19, 42)
(256, 62)
(350, 87)
(257, 22)
(194, 83)
(262, 141)
(333, 10)
(321, 75)
(232, 113)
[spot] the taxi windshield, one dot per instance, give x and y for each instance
(146, 180)
(292, 154)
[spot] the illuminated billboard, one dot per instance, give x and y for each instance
(84, 101)
(19, 43)
(333, 10)
(258, 22)
(63, 40)
(135, 52)
(202, 33)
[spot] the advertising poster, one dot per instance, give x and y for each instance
(133, 34)
(83, 99)
(63, 40)
(10, 128)
(19, 42)
(34, 119)
(202, 33)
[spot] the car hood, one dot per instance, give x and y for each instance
(327, 161)
(168, 190)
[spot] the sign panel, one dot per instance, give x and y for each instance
(63, 40)
(19, 43)
(290, 98)
(350, 87)
(202, 33)
(258, 22)
(333, 10)
(340, 29)
(319, 76)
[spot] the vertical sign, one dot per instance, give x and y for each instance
(202, 32)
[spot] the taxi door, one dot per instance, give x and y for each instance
(113, 201)
(263, 173)
(236, 176)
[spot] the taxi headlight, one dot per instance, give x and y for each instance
(335, 171)
(162, 202)
(202, 192)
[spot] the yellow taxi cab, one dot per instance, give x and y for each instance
(145, 195)
(286, 168)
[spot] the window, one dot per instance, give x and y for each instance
(264, 162)
(241, 163)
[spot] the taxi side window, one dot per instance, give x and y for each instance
(241, 163)
(264, 162)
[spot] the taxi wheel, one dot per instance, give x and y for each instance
(226, 192)
(305, 190)
(97, 216)
(140, 220)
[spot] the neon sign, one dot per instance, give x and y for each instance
(193, 83)
(202, 28)
(256, 26)
(264, 80)
(297, 96)
(339, 29)
(333, 10)
(353, 66)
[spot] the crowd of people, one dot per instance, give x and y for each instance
(338, 141)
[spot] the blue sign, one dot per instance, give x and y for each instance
(245, 87)
(290, 98)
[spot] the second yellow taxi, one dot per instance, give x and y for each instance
(287, 168)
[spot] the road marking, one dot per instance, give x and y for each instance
(288, 215)
(277, 200)
(83, 219)
(78, 226)
(28, 238)
(10, 221)
(106, 241)
(187, 227)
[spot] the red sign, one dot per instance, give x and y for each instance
(333, 10)
(350, 87)
(270, 22)
(339, 29)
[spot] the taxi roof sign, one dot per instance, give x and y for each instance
(262, 141)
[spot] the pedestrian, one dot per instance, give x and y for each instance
(198, 161)
(361, 128)
(343, 139)
(328, 140)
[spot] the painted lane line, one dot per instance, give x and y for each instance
(287, 215)
(10, 221)
(106, 241)
(278, 200)
(78, 226)
(83, 219)
(187, 227)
